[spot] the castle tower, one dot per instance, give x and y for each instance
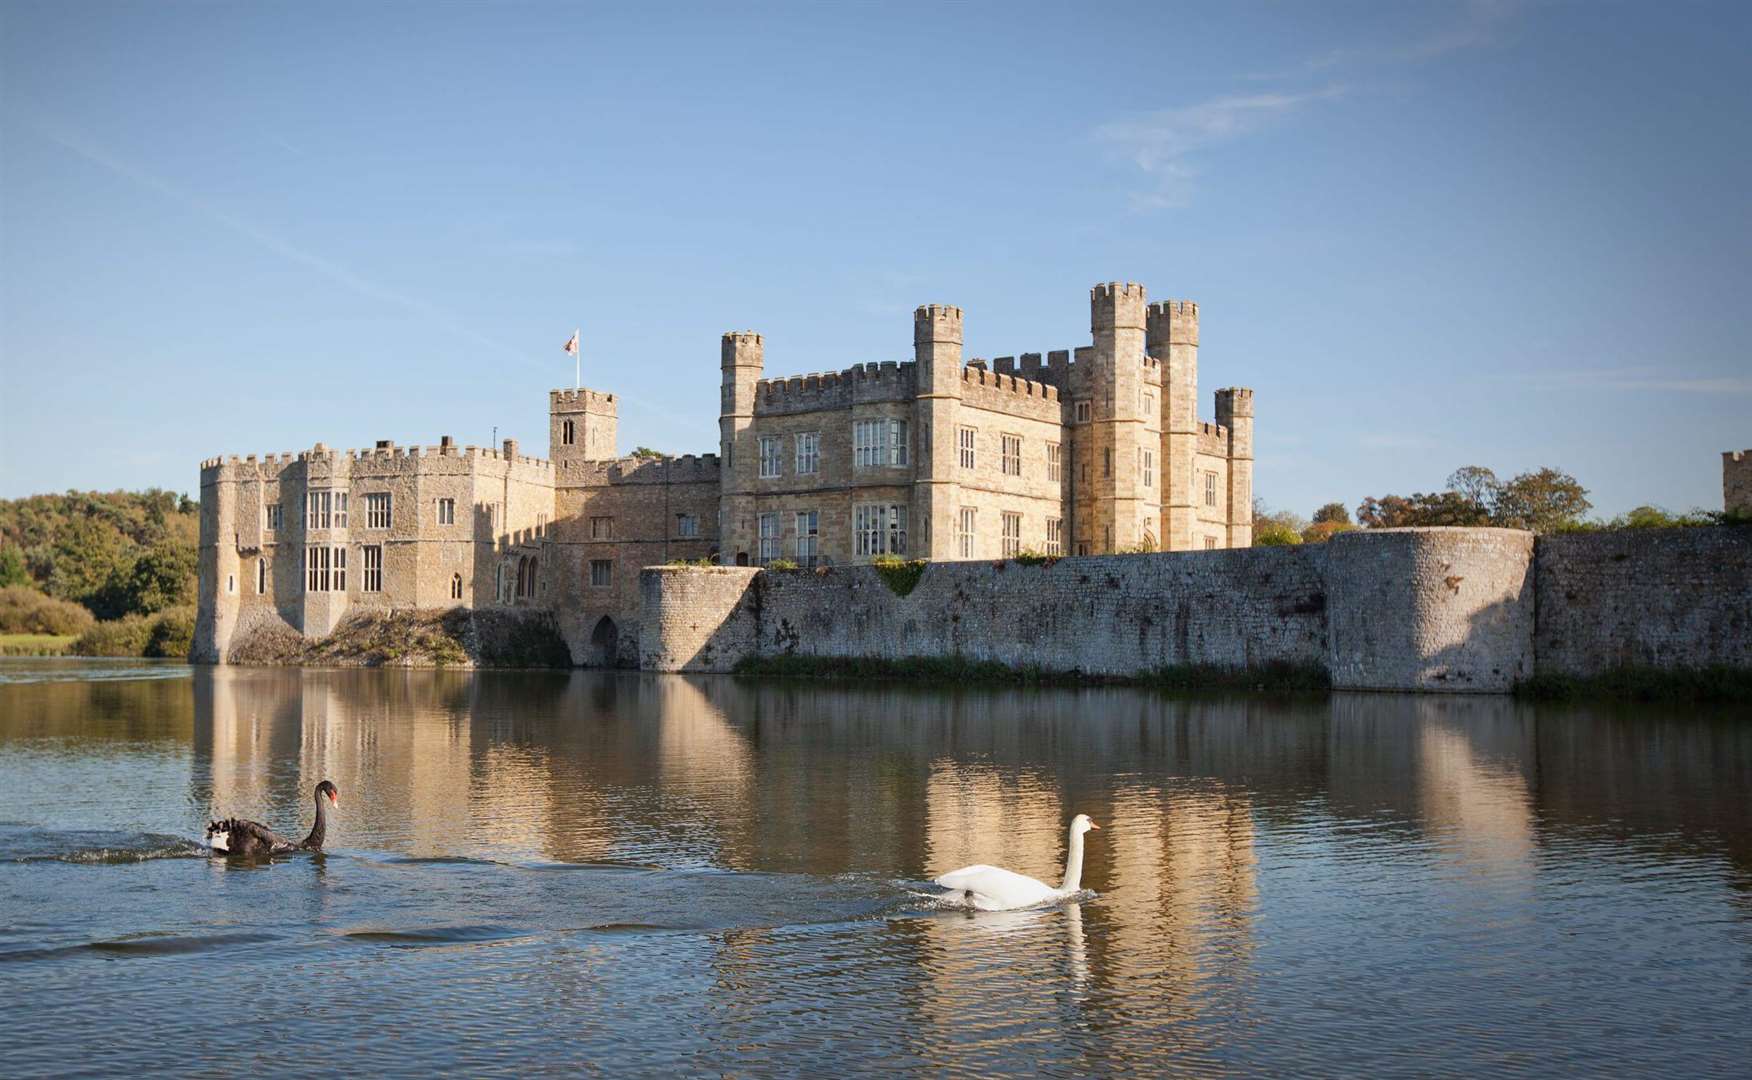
(1235, 412)
(1120, 502)
(582, 426)
(1172, 336)
(937, 350)
(216, 611)
(742, 356)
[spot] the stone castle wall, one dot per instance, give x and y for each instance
(1469, 610)
(1661, 598)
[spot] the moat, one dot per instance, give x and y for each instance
(662, 874)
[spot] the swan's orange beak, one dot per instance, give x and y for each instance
(1094, 826)
(334, 798)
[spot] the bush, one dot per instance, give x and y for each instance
(126, 636)
(1276, 534)
(172, 633)
(1322, 531)
(26, 611)
(902, 577)
(781, 565)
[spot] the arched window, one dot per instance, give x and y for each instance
(531, 590)
(456, 586)
(567, 432)
(522, 577)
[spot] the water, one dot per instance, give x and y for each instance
(627, 874)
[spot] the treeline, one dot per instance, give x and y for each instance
(126, 560)
(1542, 501)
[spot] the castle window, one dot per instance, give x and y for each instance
(273, 516)
(1149, 404)
(262, 576)
(769, 457)
(808, 537)
(1012, 535)
(1052, 462)
(456, 586)
(897, 442)
(1210, 543)
(1082, 547)
(377, 510)
(880, 530)
(373, 555)
(1055, 536)
(601, 528)
(568, 432)
(965, 519)
(687, 525)
(1012, 454)
(1210, 488)
(808, 453)
(319, 509)
(769, 538)
(964, 444)
(601, 573)
(1147, 463)
(879, 442)
(230, 583)
(1083, 412)
(1107, 462)
(446, 511)
(325, 569)
(1107, 538)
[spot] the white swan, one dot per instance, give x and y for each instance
(991, 888)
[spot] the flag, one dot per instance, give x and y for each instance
(572, 344)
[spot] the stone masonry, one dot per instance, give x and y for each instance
(1737, 481)
(1087, 451)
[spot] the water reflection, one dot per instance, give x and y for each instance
(1278, 883)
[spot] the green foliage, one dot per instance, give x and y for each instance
(1712, 684)
(692, 562)
(12, 569)
(1030, 557)
(1544, 501)
(1134, 549)
(26, 611)
(126, 636)
(1275, 534)
(647, 452)
(171, 633)
(1322, 531)
(1333, 513)
(87, 546)
(781, 565)
(901, 576)
(35, 644)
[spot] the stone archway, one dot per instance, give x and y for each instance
(605, 643)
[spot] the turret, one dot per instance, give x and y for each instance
(1235, 412)
(1171, 336)
(937, 349)
(742, 357)
(582, 425)
(1122, 506)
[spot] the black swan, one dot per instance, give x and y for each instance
(235, 836)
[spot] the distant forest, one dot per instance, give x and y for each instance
(116, 568)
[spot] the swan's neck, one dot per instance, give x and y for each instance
(320, 829)
(1074, 863)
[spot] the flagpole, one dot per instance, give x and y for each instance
(578, 359)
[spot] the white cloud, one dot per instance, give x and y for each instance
(1162, 143)
(1481, 23)
(1656, 379)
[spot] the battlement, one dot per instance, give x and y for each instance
(385, 453)
(684, 469)
(1234, 401)
(743, 337)
(888, 380)
(936, 322)
(1116, 290)
(1008, 393)
(1213, 439)
(581, 400)
(1173, 322)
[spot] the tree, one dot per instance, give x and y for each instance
(1275, 534)
(1477, 484)
(647, 452)
(12, 568)
(1322, 531)
(162, 577)
(1435, 508)
(1333, 512)
(1542, 501)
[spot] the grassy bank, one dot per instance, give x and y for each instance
(1711, 684)
(35, 644)
(960, 671)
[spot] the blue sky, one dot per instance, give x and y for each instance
(1427, 235)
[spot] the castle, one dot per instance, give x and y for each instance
(1085, 452)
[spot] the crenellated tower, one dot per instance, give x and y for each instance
(1235, 412)
(1172, 336)
(582, 426)
(1119, 503)
(937, 351)
(741, 359)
